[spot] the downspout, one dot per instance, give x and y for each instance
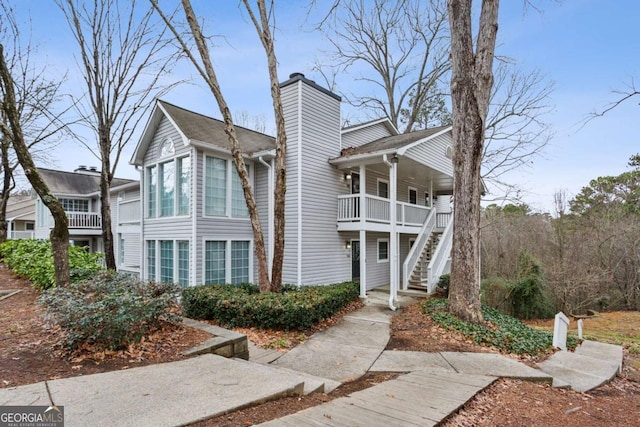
(270, 202)
(392, 232)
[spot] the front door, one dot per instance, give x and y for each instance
(355, 260)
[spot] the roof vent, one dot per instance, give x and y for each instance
(93, 169)
(293, 75)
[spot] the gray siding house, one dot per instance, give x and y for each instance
(79, 194)
(363, 202)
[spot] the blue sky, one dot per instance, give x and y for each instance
(588, 48)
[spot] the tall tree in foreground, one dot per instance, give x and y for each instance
(471, 83)
(35, 97)
(263, 22)
(12, 130)
(122, 58)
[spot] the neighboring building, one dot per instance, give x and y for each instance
(21, 217)
(362, 202)
(79, 194)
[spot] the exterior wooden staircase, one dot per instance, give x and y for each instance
(420, 275)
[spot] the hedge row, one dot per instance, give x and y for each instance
(33, 259)
(244, 306)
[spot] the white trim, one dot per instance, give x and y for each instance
(299, 142)
(194, 217)
(378, 241)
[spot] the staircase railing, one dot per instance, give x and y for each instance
(416, 250)
(440, 257)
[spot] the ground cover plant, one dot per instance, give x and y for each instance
(500, 330)
(244, 306)
(33, 259)
(111, 310)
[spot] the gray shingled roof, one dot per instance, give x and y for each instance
(201, 128)
(391, 142)
(61, 182)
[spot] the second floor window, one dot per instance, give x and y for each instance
(223, 189)
(169, 188)
(75, 205)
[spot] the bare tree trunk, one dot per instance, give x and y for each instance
(280, 189)
(7, 186)
(60, 233)
(471, 83)
(105, 209)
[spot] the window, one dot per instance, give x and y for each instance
(238, 203)
(152, 182)
(166, 261)
(75, 205)
(215, 262)
(239, 262)
(215, 190)
(169, 188)
(383, 250)
(220, 268)
(183, 262)
(151, 260)
(29, 226)
(413, 196)
(383, 188)
(427, 200)
(167, 179)
(184, 185)
(120, 249)
(167, 148)
(223, 187)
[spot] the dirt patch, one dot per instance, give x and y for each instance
(30, 351)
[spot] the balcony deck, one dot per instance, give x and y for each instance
(409, 217)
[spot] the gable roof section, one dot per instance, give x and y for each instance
(72, 183)
(384, 121)
(198, 128)
(395, 143)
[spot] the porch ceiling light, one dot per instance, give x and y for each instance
(394, 158)
(347, 176)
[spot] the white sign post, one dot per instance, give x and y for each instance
(580, 328)
(560, 327)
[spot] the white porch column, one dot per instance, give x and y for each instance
(393, 240)
(363, 233)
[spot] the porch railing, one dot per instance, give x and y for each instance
(29, 234)
(377, 210)
(416, 250)
(440, 256)
(84, 220)
(442, 219)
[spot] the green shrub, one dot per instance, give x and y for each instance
(242, 305)
(528, 300)
(110, 311)
(444, 280)
(507, 334)
(33, 259)
(494, 292)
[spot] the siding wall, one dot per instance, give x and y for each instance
(433, 155)
(261, 192)
(377, 272)
(212, 228)
(403, 186)
(166, 228)
(314, 136)
(362, 136)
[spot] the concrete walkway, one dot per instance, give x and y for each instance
(205, 386)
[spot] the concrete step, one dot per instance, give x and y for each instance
(164, 394)
(312, 383)
(582, 373)
(598, 350)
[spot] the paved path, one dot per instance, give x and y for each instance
(417, 399)
(205, 386)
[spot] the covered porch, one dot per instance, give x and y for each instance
(399, 188)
